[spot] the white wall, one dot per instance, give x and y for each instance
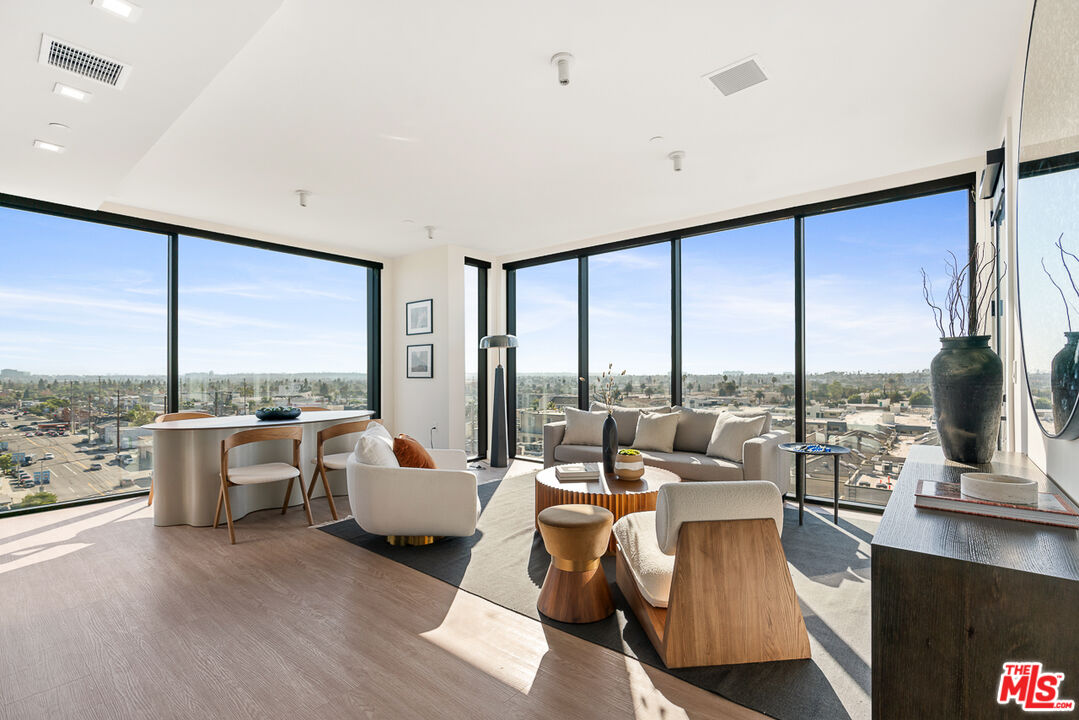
(1058, 458)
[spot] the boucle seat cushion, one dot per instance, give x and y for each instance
(265, 472)
(687, 466)
(652, 569)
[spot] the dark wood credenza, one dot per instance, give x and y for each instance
(956, 596)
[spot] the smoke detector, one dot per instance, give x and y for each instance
(737, 77)
(80, 61)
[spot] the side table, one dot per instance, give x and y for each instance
(800, 451)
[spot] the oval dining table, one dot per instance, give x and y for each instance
(187, 463)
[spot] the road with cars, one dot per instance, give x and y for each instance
(75, 472)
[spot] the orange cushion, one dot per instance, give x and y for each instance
(411, 454)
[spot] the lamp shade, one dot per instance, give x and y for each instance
(498, 341)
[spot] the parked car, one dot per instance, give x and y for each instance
(99, 456)
(47, 456)
(95, 466)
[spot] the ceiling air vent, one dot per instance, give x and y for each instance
(736, 77)
(83, 62)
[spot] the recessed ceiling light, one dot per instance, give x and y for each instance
(51, 147)
(120, 8)
(70, 92)
(59, 126)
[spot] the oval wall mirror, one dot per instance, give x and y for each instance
(1047, 217)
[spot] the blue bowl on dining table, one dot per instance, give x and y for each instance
(278, 413)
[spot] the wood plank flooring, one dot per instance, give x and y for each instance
(104, 616)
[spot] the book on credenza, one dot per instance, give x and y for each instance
(1052, 509)
(577, 471)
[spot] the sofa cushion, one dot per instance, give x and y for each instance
(411, 454)
(651, 568)
(694, 429)
(756, 412)
(626, 419)
(578, 453)
(584, 428)
(679, 503)
(731, 433)
(688, 466)
(655, 431)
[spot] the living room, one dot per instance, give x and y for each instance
(613, 360)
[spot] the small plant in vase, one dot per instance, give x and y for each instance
(966, 376)
(629, 465)
(604, 393)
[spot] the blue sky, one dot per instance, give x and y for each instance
(84, 298)
(863, 290)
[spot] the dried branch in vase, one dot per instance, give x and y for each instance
(1064, 255)
(966, 316)
(603, 392)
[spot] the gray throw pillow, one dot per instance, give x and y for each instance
(655, 431)
(626, 419)
(731, 433)
(584, 428)
(695, 428)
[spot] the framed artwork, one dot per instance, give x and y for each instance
(418, 317)
(420, 359)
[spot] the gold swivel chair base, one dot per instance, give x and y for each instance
(412, 540)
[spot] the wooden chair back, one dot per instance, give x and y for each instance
(244, 437)
(192, 415)
(312, 408)
(344, 429)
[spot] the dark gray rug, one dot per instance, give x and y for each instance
(505, 562)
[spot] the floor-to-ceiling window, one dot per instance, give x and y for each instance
(731, 335)
(629, 323)
(83, 357)
(738, 321)
(475, 396)
(546, 360)
(870, 336)
(259, 327)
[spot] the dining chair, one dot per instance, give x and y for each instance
(333, 461)
(262, 472)
(312, 408)
(169, 417)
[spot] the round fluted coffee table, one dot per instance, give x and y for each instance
(621, 497)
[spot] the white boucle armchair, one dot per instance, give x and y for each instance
(415, 506)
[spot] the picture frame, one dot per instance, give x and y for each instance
(420, 361)
(418, 320)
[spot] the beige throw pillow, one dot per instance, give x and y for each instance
(655, 431)
(694, 429)
(375, 447)
(626, 419)
(731, 433)
(584, 428)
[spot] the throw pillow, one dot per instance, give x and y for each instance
(584, 428)
(731, 433)
(767, 428)
(656, 431)
(411, 454)
(694, 429)
(626, 419)
(375, 447)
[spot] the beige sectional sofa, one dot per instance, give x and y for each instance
(761, 457)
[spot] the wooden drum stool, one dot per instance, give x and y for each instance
(575, 589)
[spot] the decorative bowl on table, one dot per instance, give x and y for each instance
(999, 488)
(278, 413)
(629, 464)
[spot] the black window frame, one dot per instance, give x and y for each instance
(964, 181)
(483, 278)
(172, 233)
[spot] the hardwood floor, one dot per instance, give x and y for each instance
(104, 616)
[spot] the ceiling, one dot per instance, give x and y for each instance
(449, 114)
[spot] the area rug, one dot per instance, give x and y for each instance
(505, 562)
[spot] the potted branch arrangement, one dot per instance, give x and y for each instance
(604, 393)
(1064, 377)
(966, 376)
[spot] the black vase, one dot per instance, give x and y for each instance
(967, 379)
(610, 443)
(1065, 380)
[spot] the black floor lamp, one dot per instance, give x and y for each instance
(499, 438)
